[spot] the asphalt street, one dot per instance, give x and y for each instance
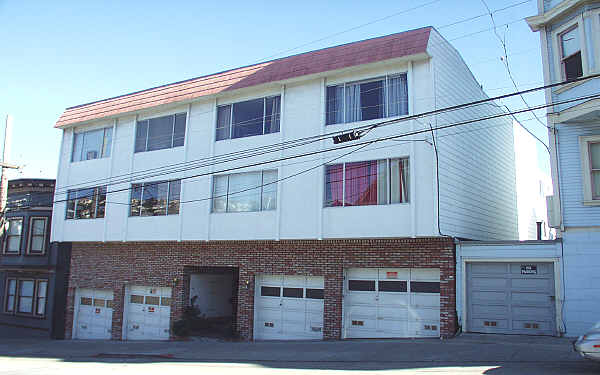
(466, 354)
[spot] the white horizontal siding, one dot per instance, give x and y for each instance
(575, 213)
(476, 161)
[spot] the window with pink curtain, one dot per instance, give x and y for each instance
(364, 183)
(334, 185)
(361, 183)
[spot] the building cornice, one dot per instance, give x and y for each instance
(541, 20)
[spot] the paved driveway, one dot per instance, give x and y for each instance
(466, 354)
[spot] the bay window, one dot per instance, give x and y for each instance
(12, 236)
(26, 296)
(364, 183)
(160, 133)
(590, 162)
(367, 100)
(248, 118)
(86, 203)
(240, 192)
(157, 198)
(572, 66)
(93, 144)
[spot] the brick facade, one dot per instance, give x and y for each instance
(113, 265)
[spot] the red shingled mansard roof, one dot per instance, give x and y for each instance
(357, 53)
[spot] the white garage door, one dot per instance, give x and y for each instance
(93, 314)
(148, 313)
(288, 307)
(391, 302)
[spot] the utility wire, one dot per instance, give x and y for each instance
(447, 126)
(218, 159)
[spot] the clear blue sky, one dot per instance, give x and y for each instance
(56, 54)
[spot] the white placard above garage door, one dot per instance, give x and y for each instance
(391, 302)
(147, 313)
(288, 307)
(513, 298)
(93, 314)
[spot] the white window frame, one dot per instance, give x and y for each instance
(584, 142)
(5, 237)
(385, 78)
(142, 197)
(388, 182)
(264, 117)
(102, 156)
(148, 118)
(30, 235)
(227, 194)
(557, 46)
(97, 193)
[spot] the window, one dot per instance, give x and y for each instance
(293, 292)
(160, 133)
(392, 286)
(37, 235)
(424, 287)
(245, 119)
(252, 191)
(86, 203)
(367, 100)
(93, 144)
(365, 183)
(155, 198)
(270, 291)
(590, 160)
(11, 295)
(12, 239)
(572, 66)
(361, 285)
(26, 296)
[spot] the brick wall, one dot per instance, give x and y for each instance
(164, 264)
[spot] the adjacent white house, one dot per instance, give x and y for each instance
(201, 177)
(570, 38)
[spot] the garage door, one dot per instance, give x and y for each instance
(288, 307)
(93, 314)
(148, 313)
(391, 302)
(513, 298)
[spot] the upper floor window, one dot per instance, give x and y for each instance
(155, 198)
(37, 235)
(86, 203)
(572, 66)
(252, 117)
(160, 133)
(252, 191)
(590, 154)
(367, 183)
(13, 232)
(367, 100)
(93, 144)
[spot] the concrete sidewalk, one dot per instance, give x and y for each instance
(467, 348)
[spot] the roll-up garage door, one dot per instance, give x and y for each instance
(391, 302)
(513, 298)
(148, 313)
(288, 307)
(94, 312)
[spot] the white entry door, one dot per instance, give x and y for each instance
(93, 314)
(391, 302)
(288, 307)
(148, 313)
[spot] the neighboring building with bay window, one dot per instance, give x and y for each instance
(33, 272)
(570, 40)
(227, 192)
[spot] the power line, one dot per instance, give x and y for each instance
(447, 126)
(211, 161)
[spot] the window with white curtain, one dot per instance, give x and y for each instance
(12, 236)
(248, 118)
(26, 296)
(367, 100)
(37, 235)
(242, 192)
(93, 144)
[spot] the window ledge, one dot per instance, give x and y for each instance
(242, 212)
(570, 85)
(369, 205)
(595, 202)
